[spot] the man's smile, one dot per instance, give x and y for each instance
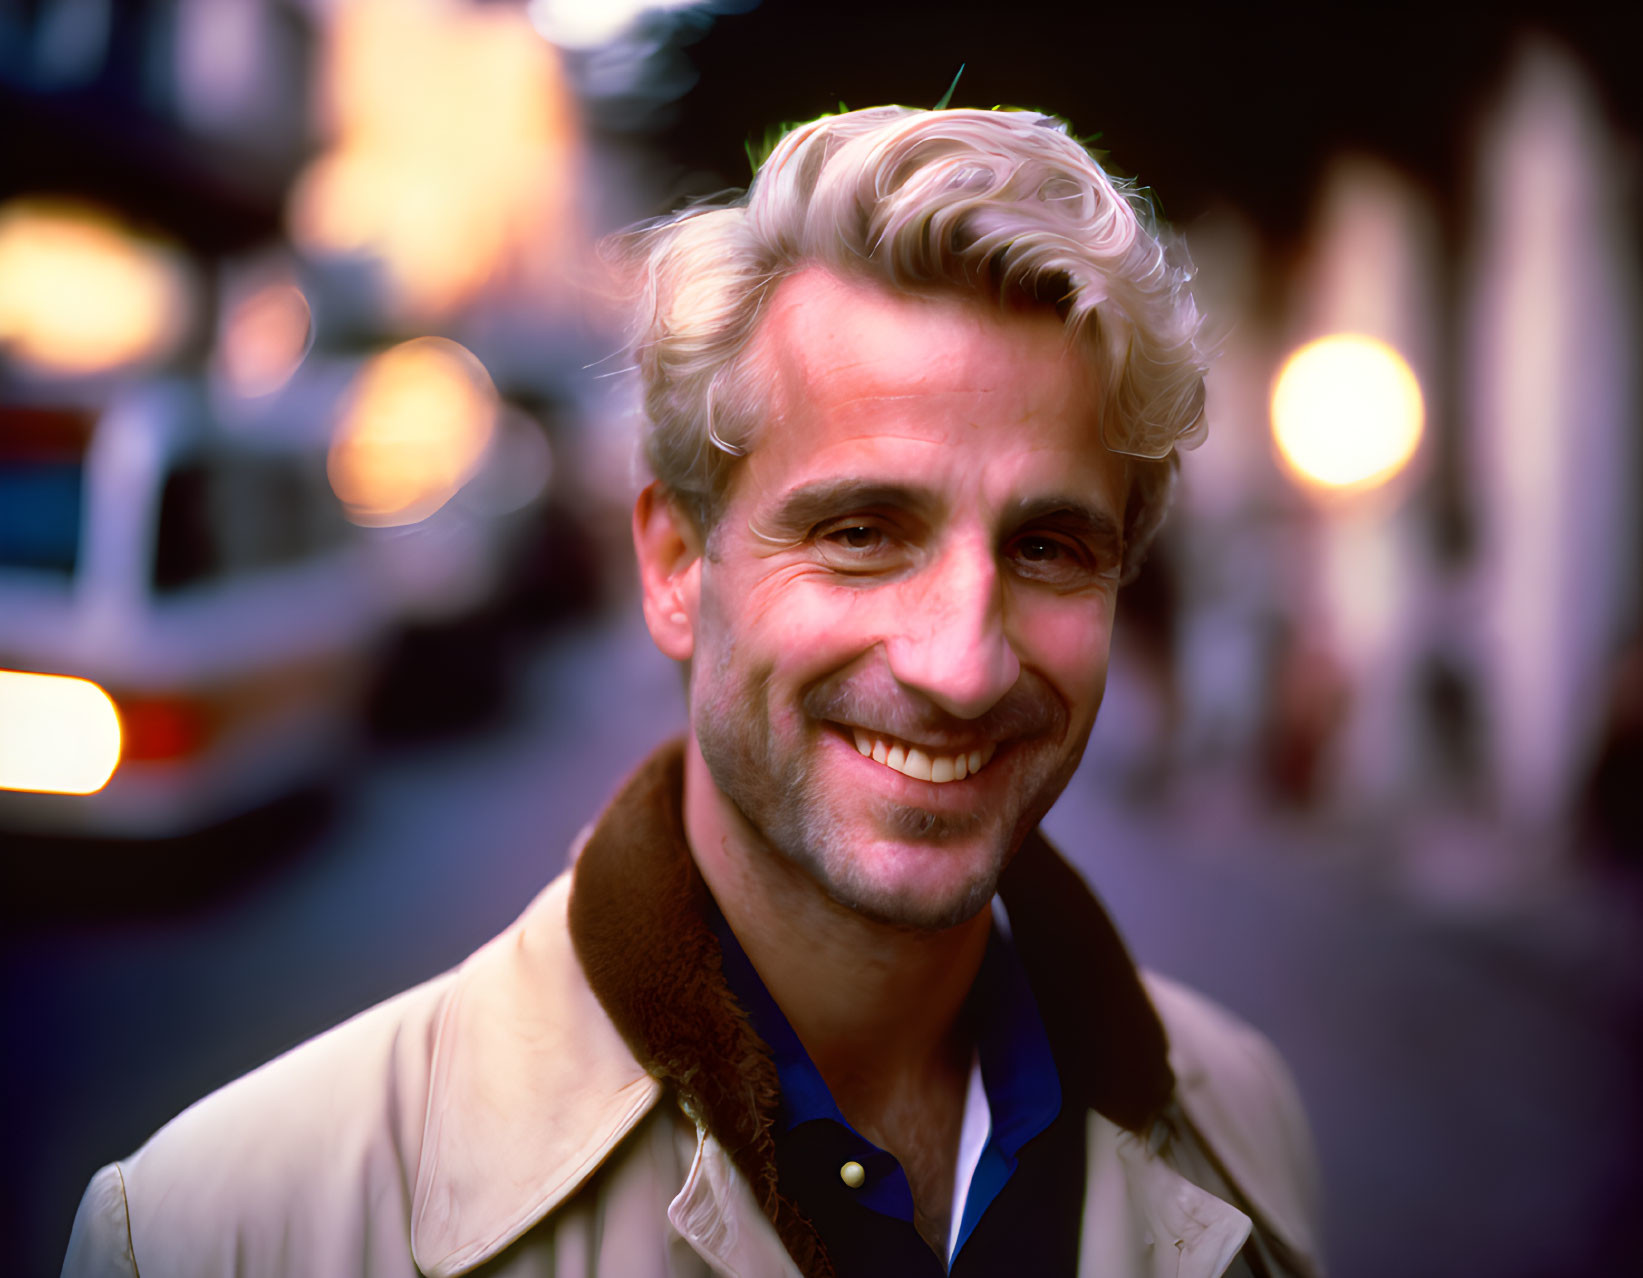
(922, 763)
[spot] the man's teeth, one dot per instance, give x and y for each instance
(913, 762)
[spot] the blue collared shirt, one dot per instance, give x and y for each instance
(869, 1229)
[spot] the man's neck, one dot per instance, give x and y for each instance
(877, 1007)
(864, 997)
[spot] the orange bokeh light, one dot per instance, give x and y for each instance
(79, 293)
(454, 137)
(415, 427)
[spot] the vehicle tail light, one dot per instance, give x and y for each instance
(57, 734)
(158, 728)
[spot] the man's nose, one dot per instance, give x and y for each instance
(949, 641)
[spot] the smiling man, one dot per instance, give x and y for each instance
(815, 997)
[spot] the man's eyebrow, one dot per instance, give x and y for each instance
(1090, 521)
(802, 509)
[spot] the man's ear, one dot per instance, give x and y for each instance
(670, 570)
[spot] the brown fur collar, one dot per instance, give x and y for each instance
(637, 922)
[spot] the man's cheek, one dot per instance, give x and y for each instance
(1068, 645)
(814, 622)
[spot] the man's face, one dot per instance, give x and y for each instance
(901, 623)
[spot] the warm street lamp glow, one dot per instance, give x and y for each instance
(57, 734)
(453, 150)
(418, 420)
(1346, 412)
(80, 294)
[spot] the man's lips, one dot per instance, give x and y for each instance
(897, 727)
(922, 763)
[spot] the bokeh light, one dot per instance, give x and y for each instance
(57, 735)
(454, 138)
(265, 336)
(415, 427)
(81, 294)
(1347, 412)
(586, 24)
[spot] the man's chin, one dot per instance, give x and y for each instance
(914, 911)
(903, 821)
(916, 879)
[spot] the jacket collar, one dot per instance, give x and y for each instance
(638, 921)
(530, 1089)
(560, 1034)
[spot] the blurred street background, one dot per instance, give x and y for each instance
(318, 638)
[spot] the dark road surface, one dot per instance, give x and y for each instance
(1475, 1078)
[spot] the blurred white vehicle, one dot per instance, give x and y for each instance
(206, 581)
(448, 485)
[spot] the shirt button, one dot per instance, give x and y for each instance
(853, 1174)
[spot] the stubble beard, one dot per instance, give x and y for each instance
(794, 813)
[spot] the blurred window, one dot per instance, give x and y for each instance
(286, 511)
(188, 550)
(324, 524)
(42, 478)
(40, 514)
(229, 514)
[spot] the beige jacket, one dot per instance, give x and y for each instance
(497, 1120)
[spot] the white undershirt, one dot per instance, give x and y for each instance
(977, 1127)
(972, 1139)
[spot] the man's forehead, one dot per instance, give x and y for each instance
(969, 404)
(846, 339)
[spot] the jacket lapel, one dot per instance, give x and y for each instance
(1143, 1218)
(715, 1213)
(531, 1088)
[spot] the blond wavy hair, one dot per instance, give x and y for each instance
(1001, 204)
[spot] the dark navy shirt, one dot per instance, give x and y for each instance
(1025, 1200)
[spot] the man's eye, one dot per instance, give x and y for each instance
(1038, 550)
(854, 547)
(857, 537)
(1056, 560)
